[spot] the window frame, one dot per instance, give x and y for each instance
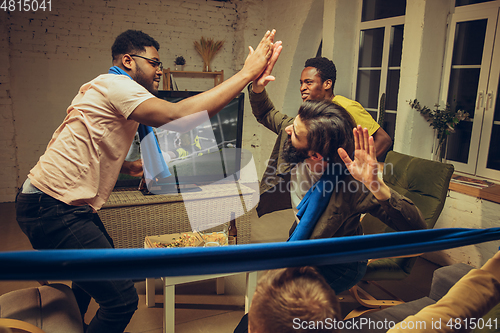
(387, 24)
(477, 159)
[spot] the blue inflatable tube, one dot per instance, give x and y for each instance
(104, 264)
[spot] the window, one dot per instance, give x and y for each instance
(459, 3)
(470, 83)
(380, 9)
(379, 58)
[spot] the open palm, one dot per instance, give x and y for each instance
(261, 82)
(364, 168)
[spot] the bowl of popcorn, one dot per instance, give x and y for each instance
(187, 239)
(214, 239)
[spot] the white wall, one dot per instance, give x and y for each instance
(307, 42)
(340, 31)
(421, 68)
(465, 211)
(290, 19)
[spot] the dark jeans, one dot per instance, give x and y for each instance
(340, 277)
(52, 224)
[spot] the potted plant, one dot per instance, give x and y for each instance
(179, 63)
(443, 121)
(208, 48)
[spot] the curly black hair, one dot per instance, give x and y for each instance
(132, 41)
(325, 67)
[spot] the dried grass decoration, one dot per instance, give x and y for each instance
(208, 48)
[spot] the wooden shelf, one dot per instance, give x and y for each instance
(490, 192)
(217, 76)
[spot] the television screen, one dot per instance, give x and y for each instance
(209, 152)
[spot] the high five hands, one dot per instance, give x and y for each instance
(260, 58)
(364, 168)
(265, 77)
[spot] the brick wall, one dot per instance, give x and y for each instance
(9, 170)
(50, 54)
(76, 30)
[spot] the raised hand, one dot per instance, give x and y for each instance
(364, 168)
(261, 82)
(258, 59)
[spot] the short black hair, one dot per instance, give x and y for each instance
(132, 41)
(325, 67)
(329, 127)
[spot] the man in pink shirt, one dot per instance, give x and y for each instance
(56, 206)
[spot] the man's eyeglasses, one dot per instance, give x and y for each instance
(155, 63)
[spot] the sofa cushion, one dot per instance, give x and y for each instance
(445, 277)
(386, 318)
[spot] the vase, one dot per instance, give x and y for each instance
(206, 66)
(440, 149)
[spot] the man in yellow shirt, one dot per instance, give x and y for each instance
(317, 82)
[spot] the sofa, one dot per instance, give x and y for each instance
(443, 279)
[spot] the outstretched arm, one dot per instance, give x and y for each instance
(382, 141)
(157, 112)
(364, 168)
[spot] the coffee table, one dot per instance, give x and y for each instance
(169, 283)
